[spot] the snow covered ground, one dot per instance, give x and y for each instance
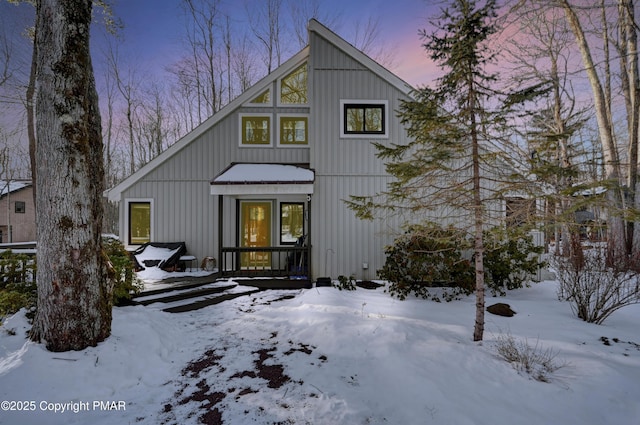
(329, 357)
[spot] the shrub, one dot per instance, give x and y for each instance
(125, 280)
(17, 282)
(346, 283)
(428, 256)
(510, 259)
(594, 286)
(537, 362)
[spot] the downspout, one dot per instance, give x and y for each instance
(310, 275)
(220, 227)
(9, 232)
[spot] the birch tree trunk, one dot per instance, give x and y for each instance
(616, 235)
(74, 293)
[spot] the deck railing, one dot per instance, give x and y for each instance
(274, 261)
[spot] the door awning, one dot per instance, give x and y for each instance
(263, 179)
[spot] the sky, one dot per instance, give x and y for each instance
(152, 29)
(325, 357)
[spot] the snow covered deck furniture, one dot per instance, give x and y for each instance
(164, 255)
(190, 259)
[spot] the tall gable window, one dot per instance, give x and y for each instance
(263, 98)
(293, 130)
(363, 118)
(255, 130)
(293, 87)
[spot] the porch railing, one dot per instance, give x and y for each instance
(273, 261)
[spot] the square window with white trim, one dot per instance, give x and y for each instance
(293, 130)
(255, 130)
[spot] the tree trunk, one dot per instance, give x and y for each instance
(74, 293)
(478, 215)
(616, 234)
(31, 127)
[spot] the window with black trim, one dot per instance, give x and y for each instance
(291, 222)
(364, 118)
(20, 207)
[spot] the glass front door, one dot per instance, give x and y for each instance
(255, 231)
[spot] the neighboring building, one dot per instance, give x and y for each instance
(276, 164)
(17, 213)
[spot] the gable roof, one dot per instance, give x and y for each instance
(12, 186)
(114, 193)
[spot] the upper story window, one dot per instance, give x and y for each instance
(262, 99)
(255, 130)
(363, 118)
(293, 87)
(20, 207)
(294, 130)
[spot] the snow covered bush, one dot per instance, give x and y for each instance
(425, 257)
(593, 285)
(510, 259)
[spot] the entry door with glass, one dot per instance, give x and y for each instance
(255, 231)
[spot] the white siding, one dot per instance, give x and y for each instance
(344, 167)
(184, 209)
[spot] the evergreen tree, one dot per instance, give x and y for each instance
(451, 170)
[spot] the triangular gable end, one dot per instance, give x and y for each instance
(246, 97)
(358, 55)
(253, 93)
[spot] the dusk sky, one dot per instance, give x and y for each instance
(152, 29)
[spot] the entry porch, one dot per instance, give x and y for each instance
(264, 216)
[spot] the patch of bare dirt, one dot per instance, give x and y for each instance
(205, 383)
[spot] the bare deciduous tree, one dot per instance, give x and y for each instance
(268, 27)
(618, 236)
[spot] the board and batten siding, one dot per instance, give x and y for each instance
(183, 207)
(343, 244)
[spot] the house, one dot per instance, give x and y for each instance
(260, 185)
(17, 212)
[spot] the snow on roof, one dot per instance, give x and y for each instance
(592, 191)
(264, 174)
(12, 186)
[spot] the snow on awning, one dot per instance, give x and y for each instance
(263, 179)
